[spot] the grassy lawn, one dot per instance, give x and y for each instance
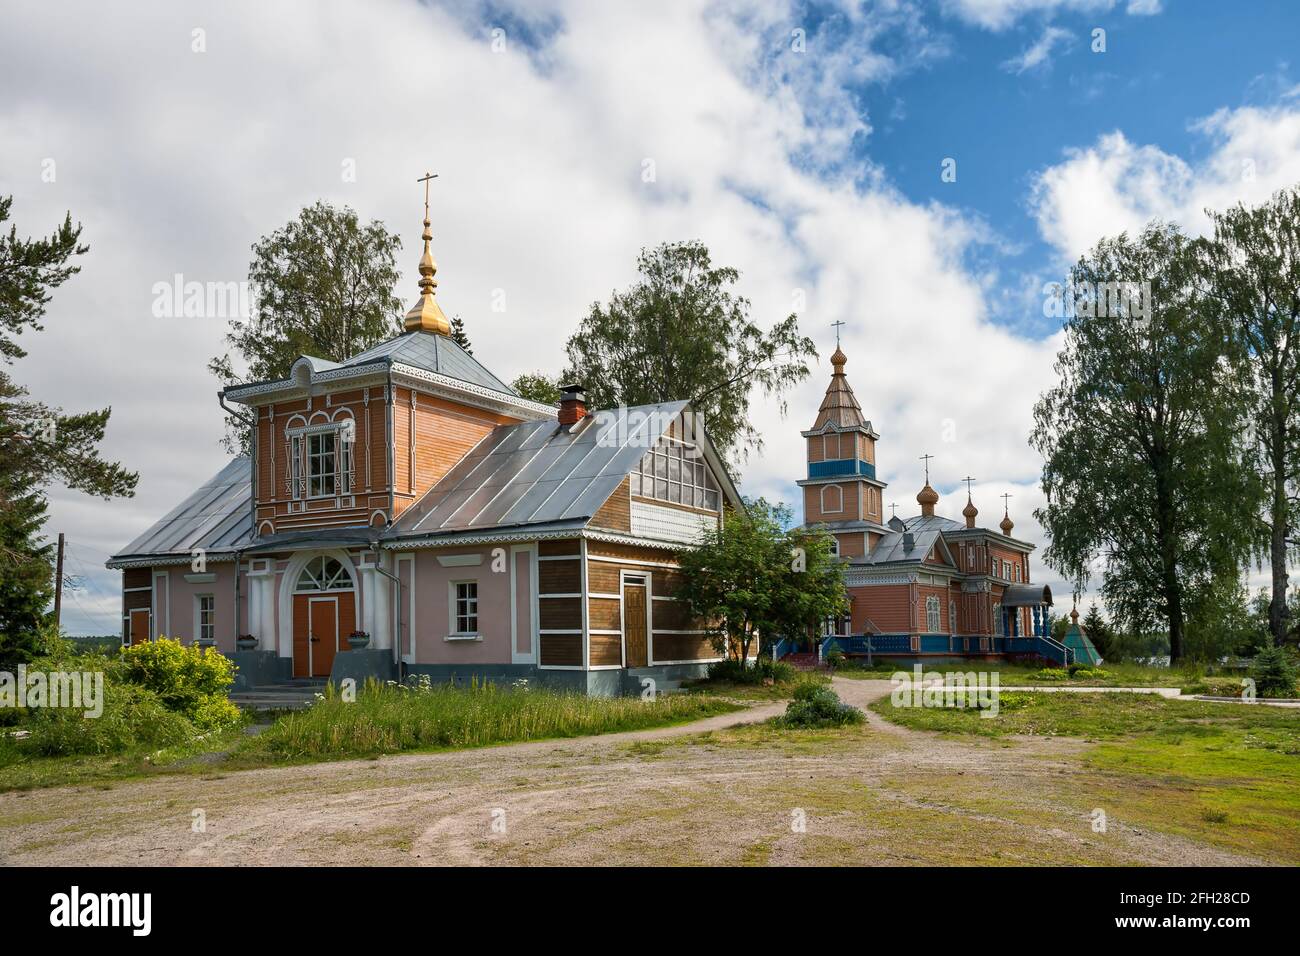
(1225, 774)
(386, 720)
(778, 690)
(1016, 675)
(21, 770)
(381, 721)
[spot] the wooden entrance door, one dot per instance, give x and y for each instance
(140, 625)
(321, 623)
(634, 634)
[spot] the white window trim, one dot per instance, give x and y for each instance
(344, 432)
(840, 492)
(933, 615)
(453, 633)
(198, 615)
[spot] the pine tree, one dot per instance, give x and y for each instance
(38, 444)
(458, 334)
(1094, 626)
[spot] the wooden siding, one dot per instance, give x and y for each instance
(683, 647)
(560, 577)
(604, 614)
(606, 650)
(559, 614)
(429, 436)
(560, 650)
(888, 606)
(604, 575)
(616, 513)
(568, 546)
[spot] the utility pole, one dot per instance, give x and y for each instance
(58, 585)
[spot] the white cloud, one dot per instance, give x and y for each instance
(1116, 185)
(1037, 53)
(177, 161)
(1000, 14)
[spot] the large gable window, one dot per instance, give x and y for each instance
(675, 471)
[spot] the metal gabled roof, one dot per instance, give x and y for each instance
(218, 517)
(926, 532)
(433, 353)
(539, 472)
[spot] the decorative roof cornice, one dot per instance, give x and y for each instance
(261, 393)
(842, 479)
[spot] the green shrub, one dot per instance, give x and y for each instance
(132, 717)
(1273, 673)
(756, 672)
(816, 705)
(189, 680)
(1050, 673)
(835, 658)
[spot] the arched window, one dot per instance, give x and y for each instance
(952, 617)
(932, 614)
(324, 574)
(998, 623)
(832, 499)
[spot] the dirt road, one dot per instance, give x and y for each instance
(709, 792)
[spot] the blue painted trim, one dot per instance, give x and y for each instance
(847, 467)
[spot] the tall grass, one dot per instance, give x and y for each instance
(386, 718)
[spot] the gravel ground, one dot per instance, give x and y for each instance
(698, 793)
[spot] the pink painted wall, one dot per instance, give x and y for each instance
(432, 614)
(182, 594)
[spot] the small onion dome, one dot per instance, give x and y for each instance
(1074, 615)
(839, 360)
(927, 496)
(970, 511)
(1006, 525)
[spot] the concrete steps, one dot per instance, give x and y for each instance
(295, 694)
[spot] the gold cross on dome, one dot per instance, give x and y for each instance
(426, 179)
(926, 459)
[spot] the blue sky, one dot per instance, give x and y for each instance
(1157, 76)
(815, 173)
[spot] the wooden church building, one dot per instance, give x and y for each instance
(923, 586)
(406, 512)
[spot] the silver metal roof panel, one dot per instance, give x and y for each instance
(217, 517)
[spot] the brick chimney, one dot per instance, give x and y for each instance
(573, 404)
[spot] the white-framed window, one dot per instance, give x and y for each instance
(952, 616)
(1017, 572)
(464, 607)
(832, 499)
(1006, 570)
(932, 614)
(835, 546)
(675, 471)
(205, 617)
(321, 460)
(997, 618)
(970, 557)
